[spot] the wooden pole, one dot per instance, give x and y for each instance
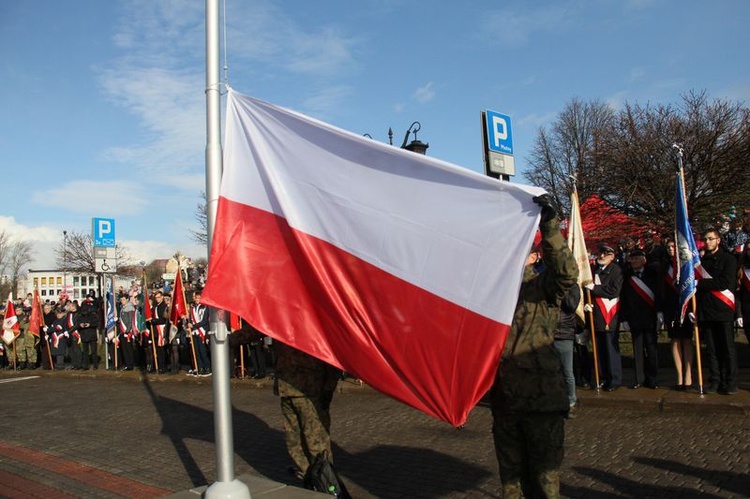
(49, 353)
(242, 361)
(696, 333)
(153, 347)
(192, 349)
(593, 340)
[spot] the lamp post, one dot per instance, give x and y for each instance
(415, 145)
(65, 261)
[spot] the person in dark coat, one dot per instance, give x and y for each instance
(679, 330)
(88, 319)
(717, 281)
(640, 313)
(605, 293)
(743, 293)
(45, 354)
(74, 336)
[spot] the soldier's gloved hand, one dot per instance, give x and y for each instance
(549, 210)
(659, 319)
(739, 322)
(625, 326)
(692, 317)
(590, 286)
(588, 308)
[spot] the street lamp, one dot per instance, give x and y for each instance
(415, 145)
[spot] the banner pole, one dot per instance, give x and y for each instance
(696, 333)
(593, 341)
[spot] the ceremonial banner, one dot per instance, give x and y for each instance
(110, 323)
(36, 320)
(577, 245)
(401, 269)
(11, 328)
(688, 257)
(146, 304)
(179, 307)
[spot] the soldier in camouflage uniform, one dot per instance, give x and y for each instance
(529, 398)
(306, 386)
(25, 344)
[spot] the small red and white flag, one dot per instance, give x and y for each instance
(401, 269)
(11, 327)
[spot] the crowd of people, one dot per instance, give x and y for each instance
(548, 355)
(69, 338)
(635, 291)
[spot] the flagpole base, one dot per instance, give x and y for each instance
(227, 490)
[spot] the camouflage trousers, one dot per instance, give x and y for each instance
(307, 424)
(529, 451)
(25, 349)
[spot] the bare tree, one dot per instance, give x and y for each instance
(20, 254)
(200, 236)
(4, 243)
(640, 164)
(76, 254)
(566, 152)
(627, 157)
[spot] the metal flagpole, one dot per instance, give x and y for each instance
(226, 486)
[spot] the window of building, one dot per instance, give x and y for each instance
(42, 292)
(59, 280)
(91, 280)
(76, 293)
(36, 282)
(75, 280)
(44, 281)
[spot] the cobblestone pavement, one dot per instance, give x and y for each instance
(155, 436)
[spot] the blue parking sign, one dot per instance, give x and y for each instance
(103, 232)
(499, 133)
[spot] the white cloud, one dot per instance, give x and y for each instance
(329, 98)
(79, 196)
(425, 93)
(513, 28)
(148, 251)
(44, 240)
(160, 76)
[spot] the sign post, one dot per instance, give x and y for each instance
(103, 236)
(497, 133)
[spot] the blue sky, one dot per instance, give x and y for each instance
(103, 107)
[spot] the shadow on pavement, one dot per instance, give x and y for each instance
(399, 468)
(739, 483)
(625, 487)
(399, 471)
(181, 421)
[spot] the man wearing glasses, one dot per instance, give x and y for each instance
(716, 309)
(605, 291)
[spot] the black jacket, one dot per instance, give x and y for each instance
(567, 325)
(637, 308)
(610, 279)
(722, 267)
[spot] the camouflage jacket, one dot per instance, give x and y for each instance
(301, 375)
(529, 378)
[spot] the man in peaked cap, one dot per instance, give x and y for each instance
(605, 291)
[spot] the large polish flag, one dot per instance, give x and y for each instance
(401, 269)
